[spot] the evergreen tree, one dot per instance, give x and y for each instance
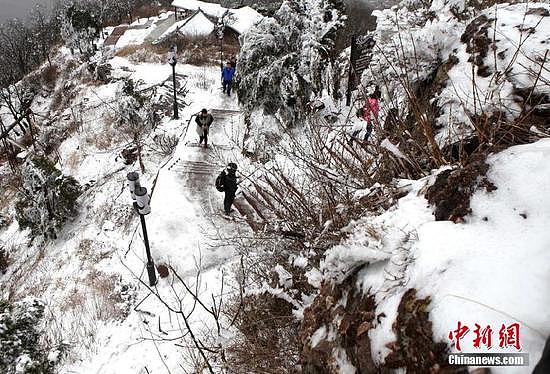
(46, 199)
(79, 28)
(285, 58)
(22, 351)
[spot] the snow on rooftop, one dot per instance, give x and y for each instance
(196, 25)
(211, 9)
(244, 17)
(132, 37)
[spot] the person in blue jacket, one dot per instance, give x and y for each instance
(227, 77)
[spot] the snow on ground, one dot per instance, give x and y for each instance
(476, 272)
(145, 29)
(481, 64)
(90, 275)
(182, 234)
(521, 34)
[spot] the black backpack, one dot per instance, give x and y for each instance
(219, 182)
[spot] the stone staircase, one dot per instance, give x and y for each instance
(200, 169)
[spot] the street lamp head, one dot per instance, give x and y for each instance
(133, 183)
(172, 55)
(142, 201)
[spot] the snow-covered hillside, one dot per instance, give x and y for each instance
(490, 270)
(349, 250)
(91, 273)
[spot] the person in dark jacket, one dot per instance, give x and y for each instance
(227, 78)
(229, 176)
(203, 121)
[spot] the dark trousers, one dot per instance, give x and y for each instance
(228, 201)
(227, 87)
(204, 137)
(367, 135)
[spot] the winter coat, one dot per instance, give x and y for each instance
(227, 73)
(371, 107)
(203, 123)
(230, 181)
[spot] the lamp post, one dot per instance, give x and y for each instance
(172, 60)
(220, 31)
(141, 205)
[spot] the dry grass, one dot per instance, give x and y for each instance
(57, 100)
(99, 298)
(73, 161)
(102, 141)
(7, 195)
(106, 137)
(106, 301)
(4, 260)
(74, 301)
(49, 76)
(93, 252)
(200, 50)
(267, 341)
(121, 217)
(131, 49)
(73, 127)
(193, 50)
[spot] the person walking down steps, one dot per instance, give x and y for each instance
(227, 78)
(203, 121)
(227, 182)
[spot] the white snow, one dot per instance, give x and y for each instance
(242, 18)
(212, 9)
(300, 262)
(96, 250)
(514, 61)
(196, 25)
(132, 37)
(342, 361)
(475, 272)
(285, 278)
(319, 335)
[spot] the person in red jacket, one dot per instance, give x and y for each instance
(369, 114)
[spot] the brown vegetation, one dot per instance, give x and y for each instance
(452, 190)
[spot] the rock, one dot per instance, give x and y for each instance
(130, 155)
(543, 12)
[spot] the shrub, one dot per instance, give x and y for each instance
(4, 260)
(267, 341)
(47, 198)
(49, 76)
(20, 339)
